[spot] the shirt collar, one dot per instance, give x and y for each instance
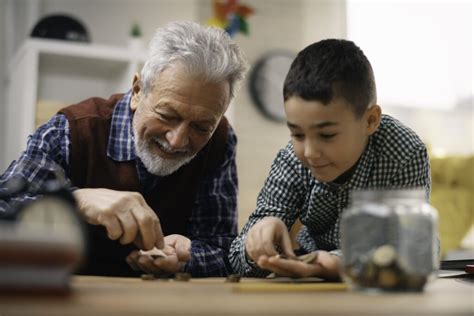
(364, 167)
(121, 145)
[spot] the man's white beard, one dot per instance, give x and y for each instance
(155, 164)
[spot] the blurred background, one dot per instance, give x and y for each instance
(421, 52)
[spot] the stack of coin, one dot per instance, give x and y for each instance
(233, 278)
(182, 276)
(308, 258)
(383, 270)
(148, 277)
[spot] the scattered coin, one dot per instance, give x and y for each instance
(155, 253)
(283, 256)
(148, 277)
(182, 276)
(309, 257)
(233, 278)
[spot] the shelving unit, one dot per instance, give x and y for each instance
(62, 72)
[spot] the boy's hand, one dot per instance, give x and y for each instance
(325, 266)
(264, 236)
(172, 259)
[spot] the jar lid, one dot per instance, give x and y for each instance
(383, 194)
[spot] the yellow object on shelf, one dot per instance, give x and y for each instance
(452, 195)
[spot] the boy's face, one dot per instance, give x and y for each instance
(329, 139)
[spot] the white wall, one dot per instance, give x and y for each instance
(110, 21)
(423, 66)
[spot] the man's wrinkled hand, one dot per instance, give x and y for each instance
(125, 215)
(171, 259)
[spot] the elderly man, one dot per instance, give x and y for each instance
(154, 167)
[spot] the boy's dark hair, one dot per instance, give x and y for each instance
(332, 68)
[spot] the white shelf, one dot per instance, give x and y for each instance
(79, 50)
(62, 72)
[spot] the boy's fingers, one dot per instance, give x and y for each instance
(286, 245)
(269, 264)
(267, 236)
(250, 246)
(297, 268)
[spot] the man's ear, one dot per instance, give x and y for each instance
(373, 116)
(136, 92)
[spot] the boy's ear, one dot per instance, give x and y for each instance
(136, 92)
(373, 116)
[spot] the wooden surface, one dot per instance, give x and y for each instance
(120, 296)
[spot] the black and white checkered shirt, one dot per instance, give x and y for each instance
(395, 157)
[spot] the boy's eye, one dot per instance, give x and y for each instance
(297, 136)
(327, 136)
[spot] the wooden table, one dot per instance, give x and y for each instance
(121, 296)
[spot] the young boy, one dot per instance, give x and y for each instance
(340, 141)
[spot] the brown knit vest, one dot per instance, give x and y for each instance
(90, 167)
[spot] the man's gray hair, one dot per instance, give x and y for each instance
(204, 51)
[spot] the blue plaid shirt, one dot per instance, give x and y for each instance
(213, 222)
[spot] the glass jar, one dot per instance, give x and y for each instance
(389, 241)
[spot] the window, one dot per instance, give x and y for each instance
(421, 51)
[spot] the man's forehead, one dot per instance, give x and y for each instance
(188, 111)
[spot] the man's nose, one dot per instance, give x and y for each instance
(178, 136)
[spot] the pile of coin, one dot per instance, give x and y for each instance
(233, 278)
(182, 276)
(382, 269)
(308, 258)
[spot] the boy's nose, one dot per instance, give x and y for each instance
(312, 151)
(178, 136)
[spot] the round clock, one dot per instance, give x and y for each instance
(266, 83)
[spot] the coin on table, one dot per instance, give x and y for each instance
(148, 277)
(233, 278)
(155, 253)
(182, 276)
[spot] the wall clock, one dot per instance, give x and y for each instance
(266, 83)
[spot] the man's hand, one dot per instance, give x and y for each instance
(174, 256)
(325, 266)
(124, 214)
(265, 235)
